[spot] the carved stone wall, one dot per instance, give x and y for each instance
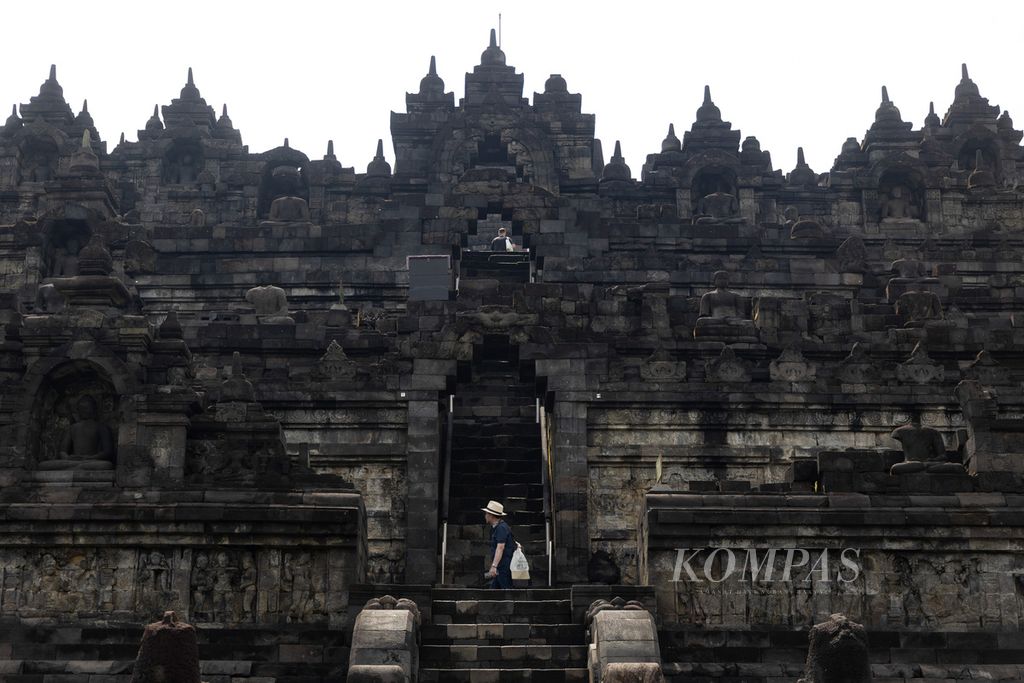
(254, 571)
(888, 580)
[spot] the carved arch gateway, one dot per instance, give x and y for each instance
(55, 382)
(457, 141)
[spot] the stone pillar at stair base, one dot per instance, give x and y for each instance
(570, 478)
(168, 652)
(623, 643)
(377, 673)
(837, 652)
(633, 672)
(385, 642)
(421, 565)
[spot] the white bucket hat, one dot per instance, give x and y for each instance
(495, 508)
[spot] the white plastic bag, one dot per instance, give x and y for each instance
(520, 566)
(508, 244)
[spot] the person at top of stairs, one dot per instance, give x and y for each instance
(503, 545)
(502, 242)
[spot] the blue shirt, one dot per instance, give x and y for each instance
(501, 533)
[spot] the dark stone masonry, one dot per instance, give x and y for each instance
(723, 403)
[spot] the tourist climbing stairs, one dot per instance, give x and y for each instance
(496, 455)
(499, 636)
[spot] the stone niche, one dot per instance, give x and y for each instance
(901, 197)
(183, 163)
(713, 195)
(74, 424)
(38, 157)
(283, 180)
(65, 239)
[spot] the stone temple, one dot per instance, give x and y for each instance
(722, 402)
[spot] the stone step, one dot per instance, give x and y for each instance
(472, 453)
(483, 395)
(524, 533)
(478, 549)
(503, 656)
(475, 581)
(511, 471)
(503, 634)
(492, 466)
(496, 490)
(94, 654)
(310, 667)
(465, 675)
(531, 595)
(502, 387)
(471, 575)
(461, 514)
(502, 611)
(473, 428)
(513, 503)
(505, 414)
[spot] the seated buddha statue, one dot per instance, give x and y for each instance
(898, 206)
(723, 314)
(923, 450)
(87, 444)
(718, 207)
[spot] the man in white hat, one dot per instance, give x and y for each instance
(503, 545)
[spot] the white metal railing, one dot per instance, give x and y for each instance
(444, 547)
(549, 532)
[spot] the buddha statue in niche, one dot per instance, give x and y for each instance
(184, 170)
(289, 209)
(718, 207)
(285, 189)
(723, 314)
(87, 444)
(898, 205)
(65, 258)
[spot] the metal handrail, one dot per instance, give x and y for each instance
(549, 536)
(446, 478)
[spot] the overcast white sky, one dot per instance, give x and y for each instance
(791, 73)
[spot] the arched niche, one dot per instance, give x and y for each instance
(967, 155)
(64, 238)
(75, 418)
(287, 179)
(38, 156)
(713, 179)
(494, 150)
(182, 163)
(470, 153)
(901, 194)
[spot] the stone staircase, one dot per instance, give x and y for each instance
(499, 636)
(496, 455)
(500, 266)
